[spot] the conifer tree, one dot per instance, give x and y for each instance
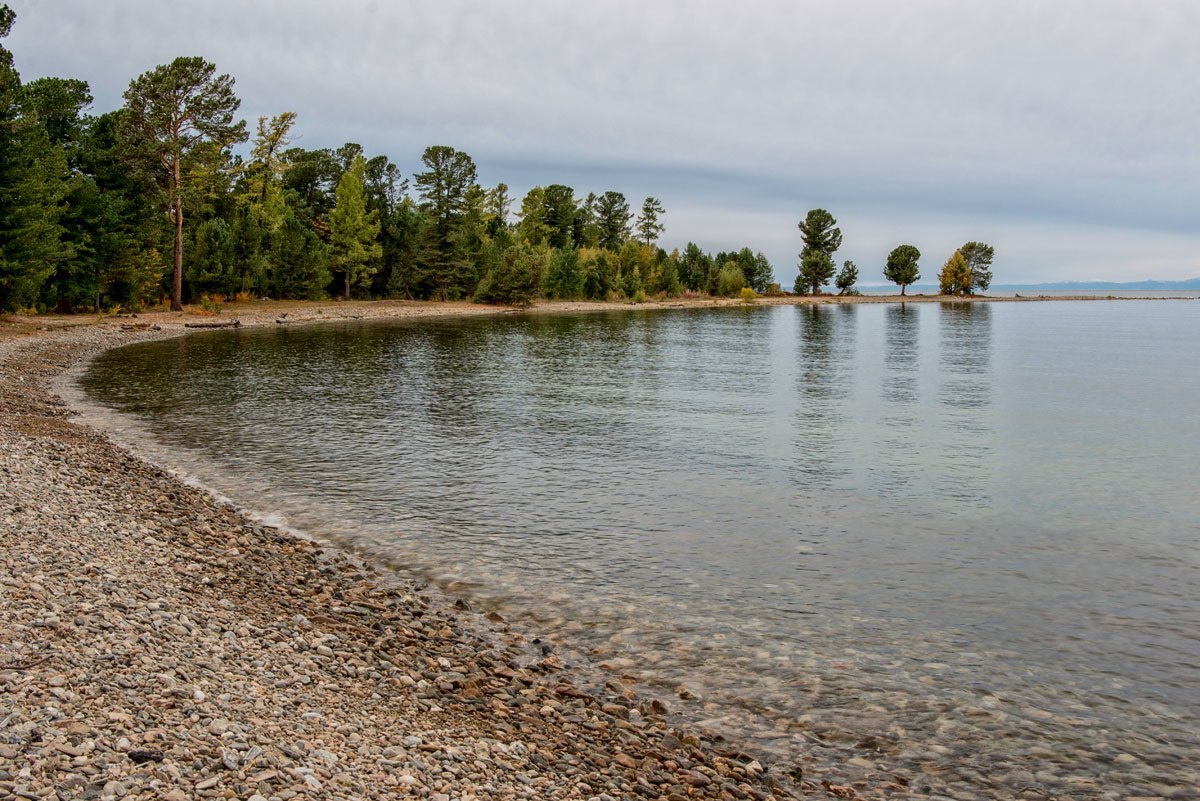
(559, 214)
(847, 277)
(533, 227)
(354, 230)
(444, 187)
(612, 220)
(496, 209)
(979, 259)
(268, 165)
(176, 114)
(648, 225)
(901, 267)
(822, 238)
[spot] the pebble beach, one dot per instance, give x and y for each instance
(157, 644)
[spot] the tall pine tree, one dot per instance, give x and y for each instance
(445, 187)
(177, 114)
(648, 224)
(822, 238)
(354, 231)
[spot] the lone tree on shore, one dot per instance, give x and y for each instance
(901, 267)
(179, 116)
(822, 238)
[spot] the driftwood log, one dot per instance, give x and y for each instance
(229, 324)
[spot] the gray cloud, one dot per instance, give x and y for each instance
(1066, 128)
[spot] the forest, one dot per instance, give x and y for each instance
(171, 198)
(153, 202)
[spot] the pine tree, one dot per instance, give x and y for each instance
(496, 209)
(822, 238)
(354, 231)
(175, 113)
(847, 277)
(979, 259)
(403, 235)
(759, 272)
(263, 175)
(816, 270)
(694, 267)
(533, 227)
(444, 187)
(648, 225)
(901, 267)
(612, 220)
(559, 214)
(298, 261)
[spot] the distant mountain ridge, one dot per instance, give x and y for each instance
(1190, 284)
(1185, 285)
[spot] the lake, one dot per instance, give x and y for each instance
(960, 542)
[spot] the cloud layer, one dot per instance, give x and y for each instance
(1063, 133)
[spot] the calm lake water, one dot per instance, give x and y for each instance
(960, 542)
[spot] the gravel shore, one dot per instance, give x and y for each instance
(156, 644)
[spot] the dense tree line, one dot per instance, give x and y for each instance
(151, 202)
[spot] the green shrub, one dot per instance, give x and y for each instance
(515, 279)
(730, 280)
(747, 295)
(564, 279)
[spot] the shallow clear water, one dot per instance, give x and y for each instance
(959, 540)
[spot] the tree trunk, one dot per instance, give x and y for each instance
(902, 286)
(177, 287)
(346, 291)
(63, 304)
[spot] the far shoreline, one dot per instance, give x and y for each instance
(279, 313)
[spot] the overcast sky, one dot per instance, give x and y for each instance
(1065, 133)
